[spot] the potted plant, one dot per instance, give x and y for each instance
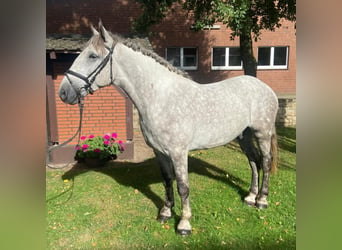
(95, 151)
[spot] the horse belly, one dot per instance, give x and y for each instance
(218, 132)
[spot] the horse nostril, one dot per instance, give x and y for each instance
(62, 94)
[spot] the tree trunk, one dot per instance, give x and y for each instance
(246, 50)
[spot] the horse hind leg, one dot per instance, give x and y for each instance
(167, 173)
(267, 142)
(248, 147)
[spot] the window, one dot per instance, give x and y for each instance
(272, 57)
(184, 58)
(224, 58)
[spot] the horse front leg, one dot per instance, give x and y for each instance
(180, 163)
(167, 173)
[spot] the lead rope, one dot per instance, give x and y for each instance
(78, 132)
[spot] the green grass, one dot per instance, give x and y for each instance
(116, 207)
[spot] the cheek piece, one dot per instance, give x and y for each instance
(84, 90)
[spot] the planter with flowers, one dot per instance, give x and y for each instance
(96, 151)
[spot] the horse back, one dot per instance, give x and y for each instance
(224, 109)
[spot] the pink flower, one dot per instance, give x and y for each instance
(115, 135)
(85, 146)
(97, 150)
(91, 136)
(83, 137)
(106, 143)
(120, 142)
(106, 137)
(77, 147)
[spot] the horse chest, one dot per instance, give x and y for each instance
(152, 134)
(162, 133)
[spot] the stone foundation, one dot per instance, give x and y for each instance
(286, 116)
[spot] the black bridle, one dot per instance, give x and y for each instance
(91, 77)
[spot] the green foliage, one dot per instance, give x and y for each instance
(242, 16)
(115, 207)
(153, 12)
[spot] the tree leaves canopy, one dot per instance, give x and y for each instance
(246, 19)
(240, 16)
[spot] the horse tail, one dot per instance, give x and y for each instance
(274, 153)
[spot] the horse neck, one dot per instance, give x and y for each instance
(143, 79)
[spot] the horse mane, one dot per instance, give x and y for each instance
(135, 45)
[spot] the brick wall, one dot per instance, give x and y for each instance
(75, 16)
(175, 30)
(66, 16)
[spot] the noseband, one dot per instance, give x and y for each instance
(91, 77)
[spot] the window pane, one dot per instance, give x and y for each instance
(189, 57)
(173, 56)
(280, 55)
(219, 56)
(234, 57)
(264, 56)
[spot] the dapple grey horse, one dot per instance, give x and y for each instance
(177, 114)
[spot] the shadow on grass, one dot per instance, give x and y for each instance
(287, 139)
(251, 243)
(141, 175)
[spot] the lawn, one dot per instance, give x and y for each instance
(115, 207)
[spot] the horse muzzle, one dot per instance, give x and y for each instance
(67, 93)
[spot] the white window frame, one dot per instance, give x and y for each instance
(226, 66)
(182, 57)
(272, 66)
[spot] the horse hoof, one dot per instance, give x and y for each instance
(261, 205)
(163, 219)
(183, 232)
(249, 203)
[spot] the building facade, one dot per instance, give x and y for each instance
(208, 56)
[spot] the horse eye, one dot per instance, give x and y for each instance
(92, 56)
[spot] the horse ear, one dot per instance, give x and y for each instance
(104, 33)
(95, 32)
(100, 23)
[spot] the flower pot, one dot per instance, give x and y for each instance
(93, 162)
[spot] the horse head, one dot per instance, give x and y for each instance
(91, 70)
